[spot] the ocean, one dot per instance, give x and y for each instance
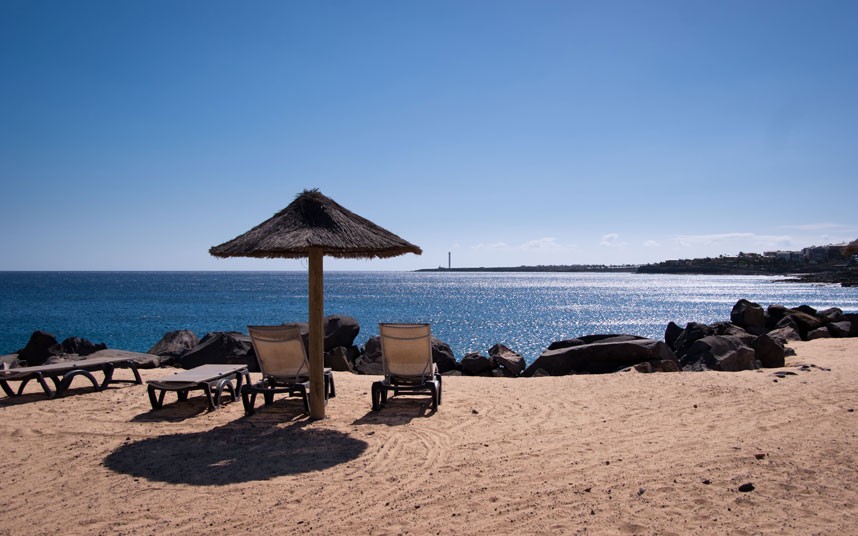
(470, 311)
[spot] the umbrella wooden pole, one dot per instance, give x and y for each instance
(317, 336)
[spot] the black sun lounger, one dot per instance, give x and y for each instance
(212, 379)
(62, 374)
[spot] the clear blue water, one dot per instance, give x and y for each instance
(470, 311)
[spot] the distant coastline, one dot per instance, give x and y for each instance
(819, 264)
(845, 276)
(626, 268)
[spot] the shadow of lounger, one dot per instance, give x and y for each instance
(398, 411)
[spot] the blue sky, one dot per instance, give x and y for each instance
(134, 135)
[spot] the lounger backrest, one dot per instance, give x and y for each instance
(406, 350)
(280, 351)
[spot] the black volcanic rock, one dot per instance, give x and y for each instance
(340, 330)
(719, 352)
(338, 359)
(221, 347)
(671, 333)
(819, 333)
(565, 343)
(510, 361)
(693, 332)
(591, 339)
(474, 364)
(853, 319)
(804, 322)
(806, 309)
(599, 357)
(769, 351)
(81, 347)
(833, 314)
(39, 348)
(174, 343)
(784, 334)
(840, 329)
(749, 316)
(728, 328)
(648, 367)
(774, 314)
(443, 356)
(611, 337)
(369, 361)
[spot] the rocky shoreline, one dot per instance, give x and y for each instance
(752, 338)
(845, 278)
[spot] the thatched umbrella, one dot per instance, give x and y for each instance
(312, 226)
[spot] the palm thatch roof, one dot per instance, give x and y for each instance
(314, 220)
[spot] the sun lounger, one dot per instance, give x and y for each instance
(62, 374)
(285, 370)
(406, 352)
(212, 379)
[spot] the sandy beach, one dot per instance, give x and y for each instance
(624, 453)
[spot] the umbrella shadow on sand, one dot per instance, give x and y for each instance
(246, 450)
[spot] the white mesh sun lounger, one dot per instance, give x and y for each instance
(408, 367)
(285, 369)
